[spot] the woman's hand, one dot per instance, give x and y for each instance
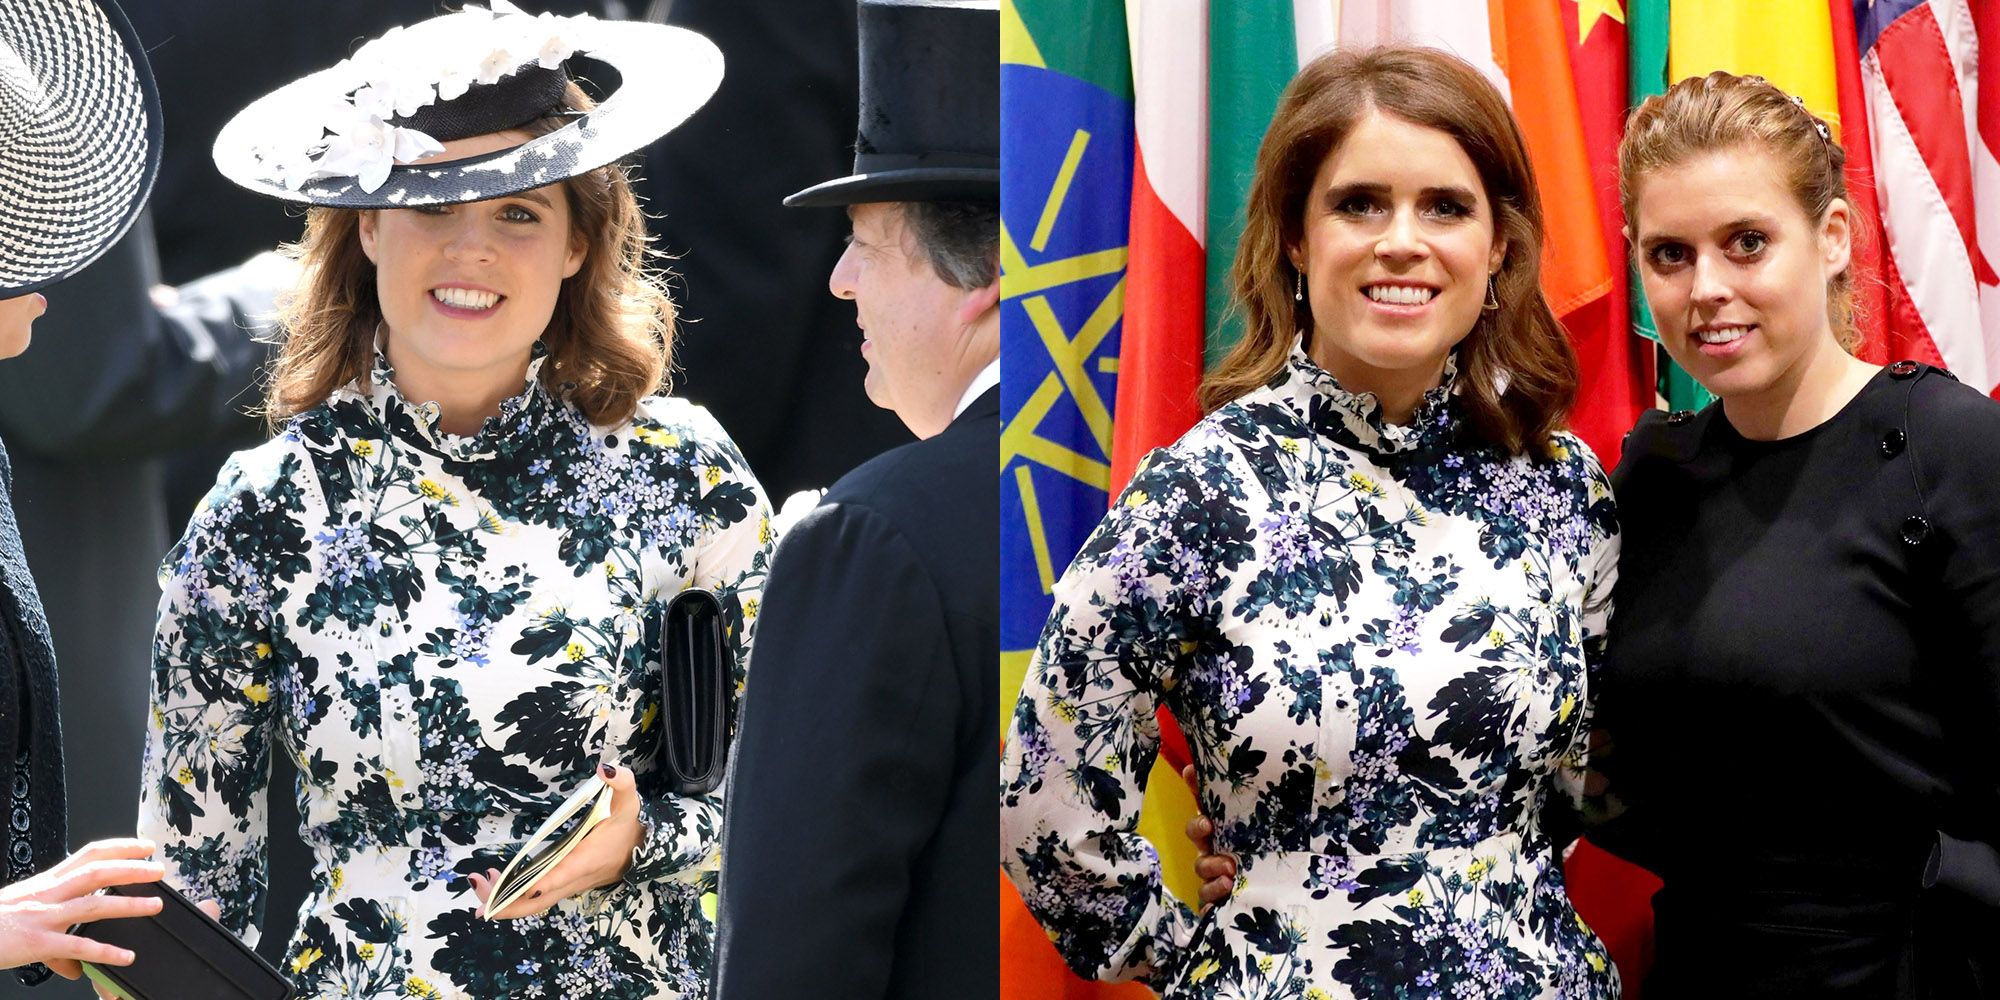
(37, 912)
(1216, 871)
(599, 860)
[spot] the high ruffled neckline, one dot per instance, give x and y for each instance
(1357, 416)
(420, 423)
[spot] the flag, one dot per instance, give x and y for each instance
(1934, 126)
(1067, 169)
(1615, 364)
(1873, 274)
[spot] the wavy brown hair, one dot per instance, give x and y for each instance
(1517, 374)
(1722, 112)
(609, 340)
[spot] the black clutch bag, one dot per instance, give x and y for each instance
(179, 953)
(697, 691)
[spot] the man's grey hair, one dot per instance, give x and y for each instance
(961, 239)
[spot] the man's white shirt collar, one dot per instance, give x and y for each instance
(987, 378)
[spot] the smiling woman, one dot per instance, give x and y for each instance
(1370, 585)
(438, 587)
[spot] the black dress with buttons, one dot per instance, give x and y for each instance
(1803, 693)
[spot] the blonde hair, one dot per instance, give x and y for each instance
(1723, 111)
(1520, 345)
(610, 339)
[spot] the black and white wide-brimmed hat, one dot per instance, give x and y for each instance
(345, 136)
(79, 137)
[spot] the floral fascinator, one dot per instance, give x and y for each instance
(346, 136)
(79, 137)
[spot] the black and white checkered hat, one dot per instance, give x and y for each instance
(79, 137)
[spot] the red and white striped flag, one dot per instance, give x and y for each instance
(1934, 122)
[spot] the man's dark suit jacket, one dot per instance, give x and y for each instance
(858, 857)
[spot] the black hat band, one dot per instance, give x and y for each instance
(517, 99)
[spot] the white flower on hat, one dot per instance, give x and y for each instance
(402, 74)
(364, 147)
(558, 38)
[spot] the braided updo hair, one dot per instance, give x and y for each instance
(1723, 111)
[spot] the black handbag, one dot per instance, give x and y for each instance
(180, 952)
(697, 692)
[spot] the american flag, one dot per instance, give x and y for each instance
(1934, 122)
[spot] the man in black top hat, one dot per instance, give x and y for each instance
(858, 855)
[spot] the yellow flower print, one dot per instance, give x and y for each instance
(416, 986)
(657, 438)
(263, 650)
(1364, 484)
(1063, 710)
(1497, 638)
(257, 693)
(1207, 968)
(185, 775)
(1290, 445)
(1264, 964)
(1318, 994)
(1111, 761)
(764, 531)
(1136, 498)
(366, 950)
(1568, 706)
(646, 721)
(335, 879)
(611, 569)
(574, 651)
(750, 607)
(431, 490)
(712, 475)
(1596, 961)
(306, 959)
(363, 448)
(1416, 897)
(1561, 453)
(489, 522)
(1477, 870)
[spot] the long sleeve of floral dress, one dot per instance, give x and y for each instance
(209, 731)
(1085, 735)
(1378, 642)
(447, 634)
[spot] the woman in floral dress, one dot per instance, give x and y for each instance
(437, 587)
(1370, 585)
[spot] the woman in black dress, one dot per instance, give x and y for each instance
(1803, 681)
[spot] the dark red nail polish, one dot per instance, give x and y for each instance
(537, 894)
(610, 770)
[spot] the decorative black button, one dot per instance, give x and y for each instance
(1679, 417)
(1903, 369)
(1893, 442)
(1916, 530)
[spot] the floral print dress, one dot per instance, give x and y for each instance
(1378, 642)
(447, 634)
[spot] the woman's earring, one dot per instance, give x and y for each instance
(1298, 286)
(1492, 296)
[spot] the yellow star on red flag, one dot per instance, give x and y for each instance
(1589, 11)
